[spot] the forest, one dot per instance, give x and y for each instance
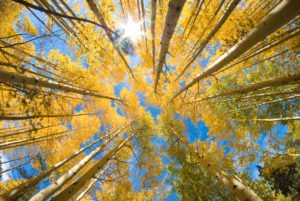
(141, 100)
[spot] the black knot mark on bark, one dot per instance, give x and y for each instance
(12, 77)
(234, 186)
(178, 8)
(208, 165)
(36, 81)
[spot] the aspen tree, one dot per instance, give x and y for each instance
(235, 186)
(279, 16)
(54, 187)
(85, 191)
(93, 6)
(174, 10)
(221, 21)
(7, 76)
(275, 82)
(73, 188)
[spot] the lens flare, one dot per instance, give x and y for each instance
(132, 30)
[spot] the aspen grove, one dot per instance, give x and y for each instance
(149, 100)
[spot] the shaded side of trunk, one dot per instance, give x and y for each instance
(174, 11)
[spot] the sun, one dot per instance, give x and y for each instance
(132, 30)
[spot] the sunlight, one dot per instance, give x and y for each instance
(132, 30)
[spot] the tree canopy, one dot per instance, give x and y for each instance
(149, 100)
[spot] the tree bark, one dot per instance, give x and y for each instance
(85, 191)
(12, 77)
(174, 11)
(288, 91)
(10, 169)
(278, 119)
(51, 189)
(275, 82)
(14, 118)
(266, 102)
(22, 188)
(265, 48)
(72, 189)
(27, 4)
(26, 131)
(224, 17)
(93, 6)
(20, 142)
(153, 19)
(241, 191)
(279, 16)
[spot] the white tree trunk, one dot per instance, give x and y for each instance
(51, 189)
(85, 191)
(93, 6)
(22, 188)
(13, 77)
(223, 18)
(266, 102)
(288, 91)
(236, 187)
(73, 188)
(153, 19)
(174, 10)
(279, 16)
(8, 144)
(279, 119)
(275, 82)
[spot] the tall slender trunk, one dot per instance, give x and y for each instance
(219, 24)
(54, 187)
(20, 142)
(14, 118)
(236, 187)
(279, 16)
(17, 166)
(12, 77)
(174, 11)
(27, 4)
(153, 19)
(85, 191)
(253, 105)
(288, 91)
(279, 119)
(17, 159)
(34, 142)
(93, 6)
(263, 49)
(144, 24)
(26, 131)
(275, 82)
(24, 187)
(79, 183)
